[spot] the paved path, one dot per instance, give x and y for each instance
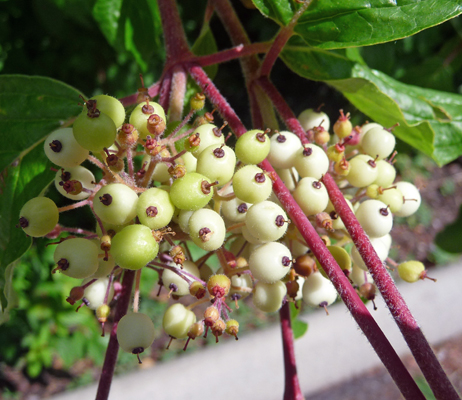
(332, 351)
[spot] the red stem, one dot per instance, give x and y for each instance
(231, 54)
(357, 308)
(164, 94)
(420, 348)
(176, 45)
(292, 390)
(110, 360)
(280, 40)
(423, 354)
(210, 90)
(153, 91)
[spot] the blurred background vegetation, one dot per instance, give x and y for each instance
(61, 39)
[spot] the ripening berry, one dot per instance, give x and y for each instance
(218, 285)
(96, 292)
(375, 217)
(182, 286)
(412, 271)
(251, 184)
(191, 192)
(252, 147)
(76, 257)
(177, 321)
(270, 262)
(268, 297)
(135, 332)
(284, 147)
(207, 229)
(411, 197)
(62, 149)
(310, 118)
(343, 127)
(115, 204)
(94, 132)
(39, 216)
(318, 291)
(141, 113)
(110, 106)
(311, 161)
(133, 247)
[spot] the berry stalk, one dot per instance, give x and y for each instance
(292, 390)
(425, 358)
(359, 311)
(415, 339)
(110, 359)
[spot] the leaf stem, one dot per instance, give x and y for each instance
(280, 40)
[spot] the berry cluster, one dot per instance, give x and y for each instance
(193, 187)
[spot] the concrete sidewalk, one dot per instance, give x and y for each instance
(333, 350)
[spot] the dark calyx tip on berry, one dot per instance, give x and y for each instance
(23, 222)
(106, 199)
(63, 264)
(204, 234)
(261, 137)
(260, 177)
(242, 208)
(307, 151)
(56, 146)
(280, 220)
(173, 287)
(384, 211)
(219, 152)
(286, 261)
(65, 175)
(147, 109)
(317, 185)
(281, 138)
(151, 211)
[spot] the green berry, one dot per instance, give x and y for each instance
(38, 216)
(135, 332)
(253, 147)
(191, 192)
(133, 247)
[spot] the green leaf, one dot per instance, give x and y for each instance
(429, 120)
(334, 24)
(25, 179)
(450, 238)
(204, 45)
(107, 13)
(30, 108)
(299, 328)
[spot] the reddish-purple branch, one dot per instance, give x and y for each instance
(153, 91)
(280, 40)
(112, 351)
(231, 54)
(292, 390)
(359, 311)
(176, 45)
(424, 355)
(210, 90)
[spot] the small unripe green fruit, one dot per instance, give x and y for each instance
(133, 247)
(135, 332)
